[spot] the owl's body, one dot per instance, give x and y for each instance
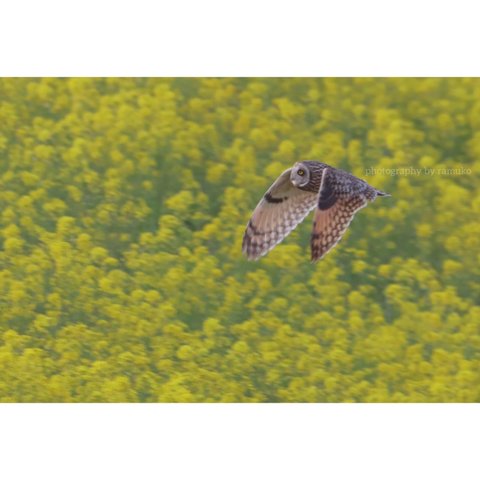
(334, 194)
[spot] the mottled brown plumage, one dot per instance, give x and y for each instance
(334, 194)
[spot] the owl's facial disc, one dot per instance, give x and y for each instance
(300, 175)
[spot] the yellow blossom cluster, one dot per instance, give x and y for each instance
(123, 203)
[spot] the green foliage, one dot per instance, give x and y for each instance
(122, 208)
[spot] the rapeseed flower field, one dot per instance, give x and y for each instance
(123, 203)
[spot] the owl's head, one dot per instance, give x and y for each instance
(300, 174)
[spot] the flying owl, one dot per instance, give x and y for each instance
(334, 194)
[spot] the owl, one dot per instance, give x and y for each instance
(334, 194)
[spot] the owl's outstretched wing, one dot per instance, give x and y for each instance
(280, 210)
(339, 197)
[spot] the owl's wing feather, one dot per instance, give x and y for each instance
(280, 210)
(339, 198)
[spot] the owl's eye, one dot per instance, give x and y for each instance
(301, 172)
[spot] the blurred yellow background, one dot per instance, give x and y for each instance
(122, 208)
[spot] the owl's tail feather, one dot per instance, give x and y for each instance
(382, 194)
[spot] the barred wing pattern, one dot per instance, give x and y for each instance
(280, 210)
(340, 197)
